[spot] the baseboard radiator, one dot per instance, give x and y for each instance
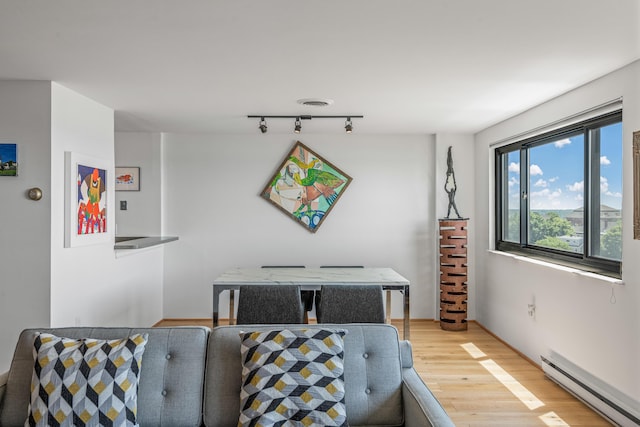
(612, 404)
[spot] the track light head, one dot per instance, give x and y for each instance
(348, 126)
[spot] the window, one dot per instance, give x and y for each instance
(559, 195)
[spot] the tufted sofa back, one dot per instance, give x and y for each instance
(373, 377)
(171, 379)
(180, 362)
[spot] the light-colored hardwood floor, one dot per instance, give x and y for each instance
(480, 381)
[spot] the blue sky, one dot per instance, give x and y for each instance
(557, 173)
(7, 152)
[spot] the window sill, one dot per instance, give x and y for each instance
(600, 277)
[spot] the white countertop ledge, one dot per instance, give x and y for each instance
(142, 242)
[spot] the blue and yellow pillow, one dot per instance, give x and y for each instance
(85, 382)
(292, 378)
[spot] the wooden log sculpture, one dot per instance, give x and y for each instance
(453, 274)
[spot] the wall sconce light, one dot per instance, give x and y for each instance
(263, 125)
(348, 125)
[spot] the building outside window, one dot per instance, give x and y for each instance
(559, 195)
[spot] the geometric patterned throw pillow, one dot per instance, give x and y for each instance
(85, 382)
(292, 377)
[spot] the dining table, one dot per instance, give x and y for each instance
(312, 279)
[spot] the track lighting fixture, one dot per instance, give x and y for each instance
(348, 124)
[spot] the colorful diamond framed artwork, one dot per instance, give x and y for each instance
(86, 215)
(306, 187)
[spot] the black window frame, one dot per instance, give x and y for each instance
(583, 261)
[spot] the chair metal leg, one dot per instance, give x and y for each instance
(388, 316)
(231, 307)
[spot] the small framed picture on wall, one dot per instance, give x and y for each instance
(127, 178)
(8, 159)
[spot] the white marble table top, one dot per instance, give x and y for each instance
(311, 279)
(310, 276)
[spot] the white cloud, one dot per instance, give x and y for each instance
(554, 179)
(541, 193)
(547, 194)
(551, 199)
(561, 143)
(514, 181)
(514, 167)
(576, 186)
(604, 188)
(541, 183)
(535, 170)
(604, 161)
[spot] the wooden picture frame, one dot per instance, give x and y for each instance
(127, 178)
(306, 187)
(636, 185)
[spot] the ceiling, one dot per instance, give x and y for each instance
(421, 66)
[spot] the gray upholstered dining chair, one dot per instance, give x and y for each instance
(318, 294)
(305, 296)
(351, 304)
(269, 304)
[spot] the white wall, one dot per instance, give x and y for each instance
(211, 200)
(575, 315)
(25, 118)
(143, 216)
(89, 284)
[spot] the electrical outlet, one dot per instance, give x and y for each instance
(532, 311)
(123, 205)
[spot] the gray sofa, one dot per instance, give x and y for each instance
(191, 376)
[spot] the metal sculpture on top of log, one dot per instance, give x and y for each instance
(453, 260)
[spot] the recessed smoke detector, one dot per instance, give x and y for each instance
(316, 102)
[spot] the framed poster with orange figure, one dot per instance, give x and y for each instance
(86, 214)
(306, 187)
